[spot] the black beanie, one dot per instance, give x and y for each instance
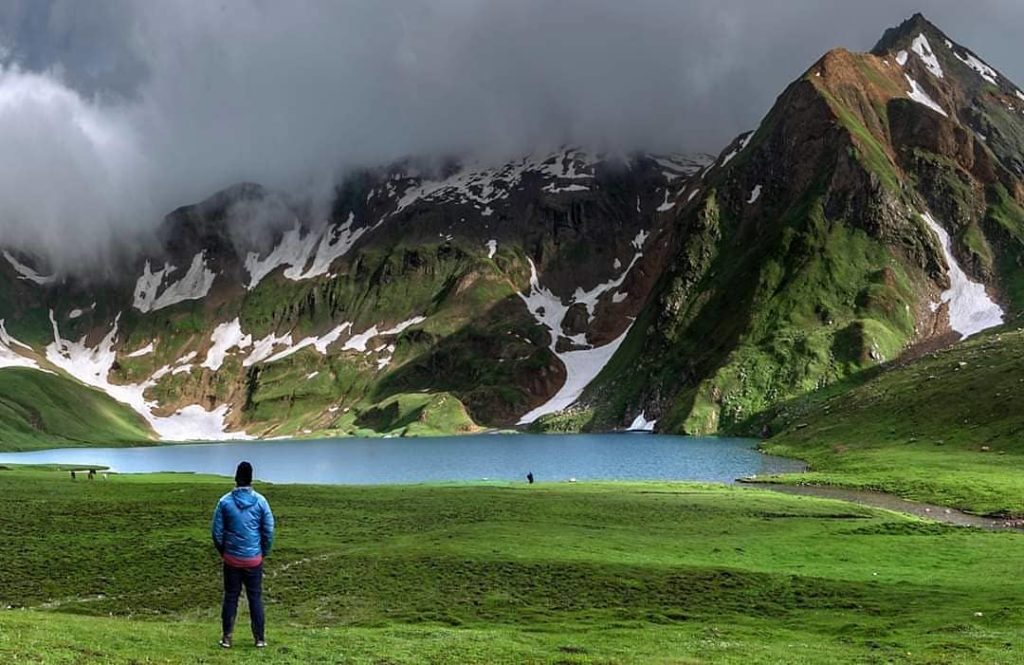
(243, 474)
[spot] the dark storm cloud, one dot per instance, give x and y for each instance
(113, 112)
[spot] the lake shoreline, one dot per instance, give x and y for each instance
(355, 461)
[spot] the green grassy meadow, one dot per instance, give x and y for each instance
(121, 571)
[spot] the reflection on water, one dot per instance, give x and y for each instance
(463, 458)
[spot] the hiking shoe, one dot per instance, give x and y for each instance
(225, 642)
(261, 644)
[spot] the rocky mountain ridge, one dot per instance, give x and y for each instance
(410, 265)
(877, 209)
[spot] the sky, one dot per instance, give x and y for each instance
(114, 112)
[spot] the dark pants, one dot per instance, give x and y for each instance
(234, 578)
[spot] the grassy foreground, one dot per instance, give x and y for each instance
(945, 428)
(121, 571)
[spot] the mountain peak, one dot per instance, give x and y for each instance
(900, 36)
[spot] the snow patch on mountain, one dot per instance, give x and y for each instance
(27, 273)
(264, 348)
(556, 189)
(567, 164)
(387, 353)
(194, 423)
(581, 367)
(681, 166)
(474, 184)
(755, 194)
(297, 250)
(666, 205)
(8, 340)
(590, 298)
(89, 365)
(641, 424)
(492, 248)
(335, 243)
(740, 148)
(146, 350)
(319, 343)
(922, 48)
(983, 70)
(921, 97)
(148, 284)
(970, 308)
(92, 367)
(901, 58)
(401, 327)
(545, 306)
(359, 342)
(194, 285)
(293, 250)
(8, 356)
(225, 337)
(182, 365)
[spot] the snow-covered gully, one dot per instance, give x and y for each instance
(970, 308)
(581, 366)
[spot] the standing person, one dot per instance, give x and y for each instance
(243, 532)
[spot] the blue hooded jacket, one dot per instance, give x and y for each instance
(243, 526)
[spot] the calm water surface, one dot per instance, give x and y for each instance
(463, 458)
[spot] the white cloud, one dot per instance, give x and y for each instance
(139, 107)
(71, 168)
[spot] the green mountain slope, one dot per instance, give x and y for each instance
(945, 428)
(42, 410)
(812, 255)
(575, 290)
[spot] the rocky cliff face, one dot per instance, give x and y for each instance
(875, 210)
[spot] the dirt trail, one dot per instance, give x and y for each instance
(895, 503)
